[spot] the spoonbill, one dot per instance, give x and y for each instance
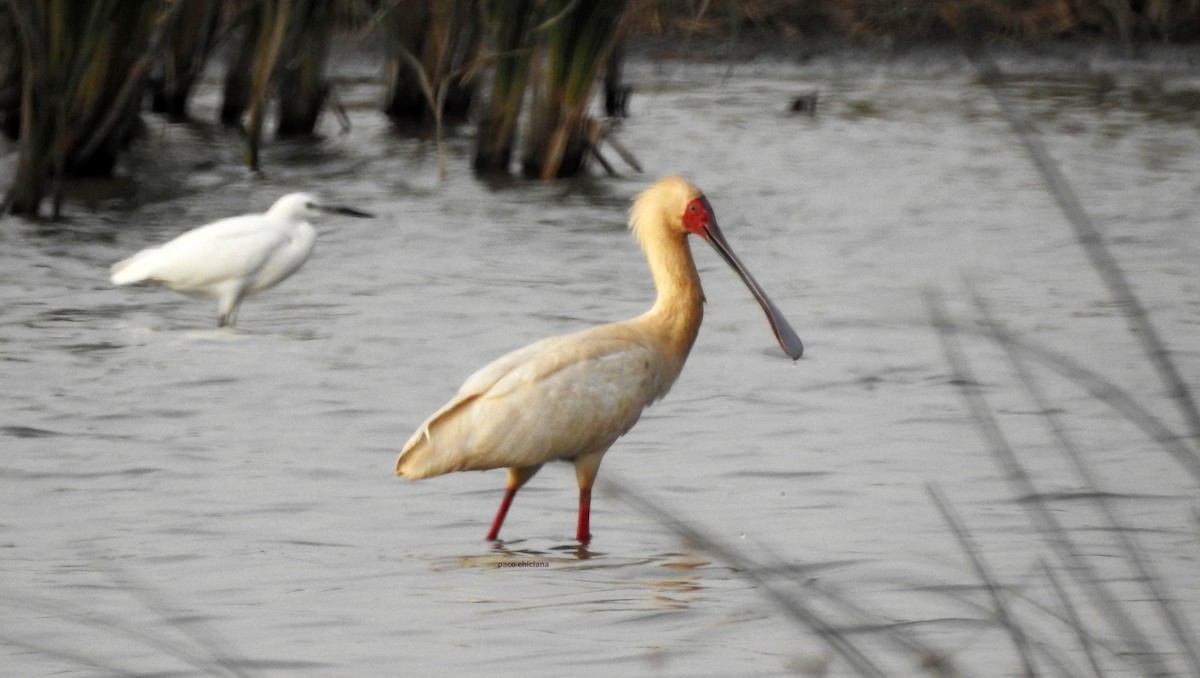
(234, 257)
(570, 397)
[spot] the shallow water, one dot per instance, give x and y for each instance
(174, 494)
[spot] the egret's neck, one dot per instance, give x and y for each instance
(304, 231)
(676, 314)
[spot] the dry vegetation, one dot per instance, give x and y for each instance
(73, 75)
(1012, 20)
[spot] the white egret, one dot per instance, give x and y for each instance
(234, 257)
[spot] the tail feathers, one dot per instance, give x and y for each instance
(133, 270)
(419, 458)
(414, 460)
(438, 450)
(451, 440)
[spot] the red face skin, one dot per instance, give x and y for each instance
(697, 217)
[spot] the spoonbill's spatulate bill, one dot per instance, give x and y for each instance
(235, 257)
(570, 397)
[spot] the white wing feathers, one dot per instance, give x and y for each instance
(203, 257)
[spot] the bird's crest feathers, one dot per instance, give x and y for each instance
(662, 204)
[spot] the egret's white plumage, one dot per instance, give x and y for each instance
(235, 257)
(570, 397)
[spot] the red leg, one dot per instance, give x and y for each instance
(509, 493)
(582, 534)
(517, 476)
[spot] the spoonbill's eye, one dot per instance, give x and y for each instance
(697, 215)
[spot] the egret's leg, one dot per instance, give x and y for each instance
(229, 296)
(228, 314)
(517, 476)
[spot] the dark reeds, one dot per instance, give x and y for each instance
(84, 67)
(303, 89)
(431, 46)
(78, 105)
(616, 93)
(509, 25)
(408, 97)
(281, 57)
(1121, 21)
(186, 36)
(247, 26)
(10, 76)
(550, 54)
(269, 42)
(579, 37)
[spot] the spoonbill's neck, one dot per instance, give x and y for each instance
(677, 312)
